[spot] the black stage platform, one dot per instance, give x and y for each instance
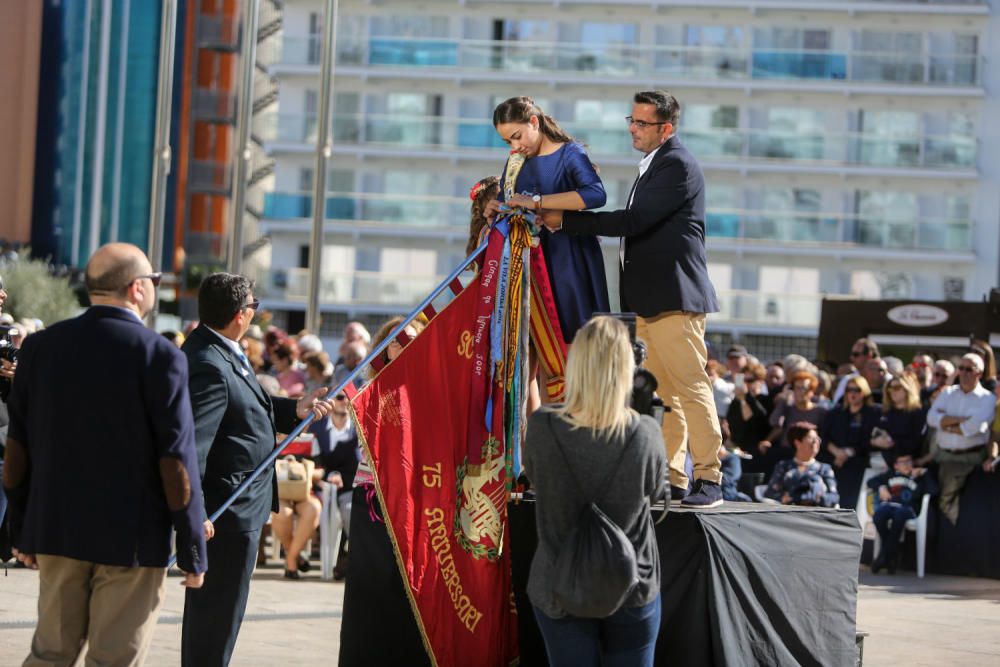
(743, 584)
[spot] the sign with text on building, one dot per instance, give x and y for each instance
(917, 315)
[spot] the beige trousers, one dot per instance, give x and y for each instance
(105, 610)
(677, 357)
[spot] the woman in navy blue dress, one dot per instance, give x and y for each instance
(557, 174)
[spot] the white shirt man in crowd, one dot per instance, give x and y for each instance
(963, 415)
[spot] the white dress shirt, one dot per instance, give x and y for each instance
(978, 405)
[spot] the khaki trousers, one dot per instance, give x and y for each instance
(953, 469)
(677, 357)
(105, 610)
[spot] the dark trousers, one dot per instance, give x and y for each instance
(213, 613)
(890, 520)
(627, 638)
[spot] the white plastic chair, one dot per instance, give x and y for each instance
(758, 495)
(329, 532)
(917, 525)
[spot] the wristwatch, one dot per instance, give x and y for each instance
(538, 201)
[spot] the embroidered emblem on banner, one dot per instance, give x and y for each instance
(480, 504)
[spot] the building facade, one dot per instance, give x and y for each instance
(845, 143)
(95, 126)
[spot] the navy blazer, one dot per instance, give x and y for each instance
(666, 268)
(97, 401)
(236, 426)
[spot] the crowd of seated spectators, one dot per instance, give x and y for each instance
(937, 414)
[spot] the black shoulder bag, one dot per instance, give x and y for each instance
(595, 570)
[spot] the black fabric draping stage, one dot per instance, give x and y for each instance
(972, 547)
(743, 584)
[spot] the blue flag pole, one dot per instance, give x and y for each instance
(304, 424)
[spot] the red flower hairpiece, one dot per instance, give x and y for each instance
(476, 189)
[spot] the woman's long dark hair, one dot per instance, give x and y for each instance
(521, 110)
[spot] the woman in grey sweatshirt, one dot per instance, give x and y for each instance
(591, 432)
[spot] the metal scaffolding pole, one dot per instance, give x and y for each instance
(244, 118)
(161, 139)
(324, 147)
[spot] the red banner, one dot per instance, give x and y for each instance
(446, 514)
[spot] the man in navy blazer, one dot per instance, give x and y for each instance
(236, 425)
(100, 463)
(664, 280)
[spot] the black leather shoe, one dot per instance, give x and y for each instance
(304, 565)
(677, 492)
(292, 574)
(877, 564)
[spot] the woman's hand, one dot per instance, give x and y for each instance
(522, 201)
(491, 210)
(764, 445)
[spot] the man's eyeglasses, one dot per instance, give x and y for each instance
(642, 124)
(968, 369)
(153, 278)
(857, 353)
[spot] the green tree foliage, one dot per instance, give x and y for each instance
(33, 292)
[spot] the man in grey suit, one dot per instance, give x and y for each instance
(664, 280)
(236, 426)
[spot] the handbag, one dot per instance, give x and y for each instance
(294, 478)
(595, 569)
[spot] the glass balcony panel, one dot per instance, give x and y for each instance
(888, 151)
(306, 50)
(954, 70)
(787, 146)
(423, 53)
(473, 134)
(954, 236)
(359, 287)
(950, 152)
(713, 143)
(722, 225)
(287, 206)
(799, 65)
(800, 310)
(413, 131)
(900, 235)
(888, 67)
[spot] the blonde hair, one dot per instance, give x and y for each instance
(599, 373)
(912, 394)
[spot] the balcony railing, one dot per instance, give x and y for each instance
(408, 210)
(434, 132)
(655, 61)
(351, 288)
(744, 225)
(847, 231)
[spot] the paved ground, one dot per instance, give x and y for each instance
(936, 621)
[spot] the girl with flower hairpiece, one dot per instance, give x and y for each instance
(481, 193)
